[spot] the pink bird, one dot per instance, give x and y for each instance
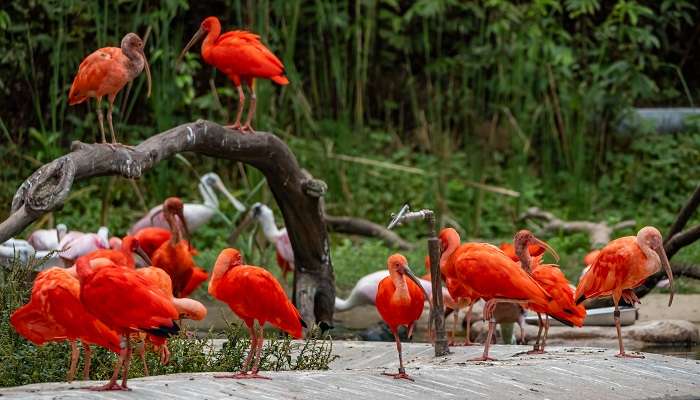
(77, 244)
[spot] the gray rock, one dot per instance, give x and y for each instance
(665, 331)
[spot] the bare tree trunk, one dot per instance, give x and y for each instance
(297, 195)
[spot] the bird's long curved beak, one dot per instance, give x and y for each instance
(547, 247)
(247, 220)
(141, 253)
(409, 273)
(236, 203)
(197, 36)
(669, 273)
(148, 72)
(185, 233)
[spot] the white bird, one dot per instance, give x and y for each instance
(365, 292)
(47, 239)
(279, 237)
(196, 214)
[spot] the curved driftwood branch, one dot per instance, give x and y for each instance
(297, 195)
(684, 215)
(680, 240)
(363, 227)
(599, 232)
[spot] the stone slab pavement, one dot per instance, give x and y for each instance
(569, 373)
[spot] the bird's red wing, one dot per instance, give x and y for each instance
(491, 273)
(124, 300)
(198, 277)
(151, 238)
(31, 322)
(608, 270)
(177, 261)
(244, 55)
(95, 73)
(562, 306)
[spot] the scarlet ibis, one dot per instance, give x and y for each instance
(622, 265)
(279, 237)
(489, 272)
(55, 313)
(365, 292)
(242, 58)
(400, 302)
(105, 72)
(196, 214)
(127, 303)
(175, 255)
(461, 292)
(549, 276)
(253, 294)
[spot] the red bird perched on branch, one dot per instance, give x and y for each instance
(54, 313)
(253, 294)
(621, 266)
(105, 72)
(400, 302)
(242, 58)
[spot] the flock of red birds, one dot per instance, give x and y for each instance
(514, 273)
(104, 299)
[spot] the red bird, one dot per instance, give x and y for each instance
(462, 293)
(242, 58)
(125, 302)
(400, 302)
(549, 276)
(152, 238)
(253, 294)
(105, 72)
(54, 313)
(621, 266)
(492, 275)
(175, 256)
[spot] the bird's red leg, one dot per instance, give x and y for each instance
(536, 348)
(522, 332)
(410, 331)
(402, 371)
(112, 384)
(87, 355)
(455, 317)
(251, 109)
(125, 374)
(256, 365)
(487, 344)
(101, 119)
(616, 314)
(110, 99)
(239, 113)
(253, 344)
(74, 355)
(141, 348)
(546, 332)
(467, 339)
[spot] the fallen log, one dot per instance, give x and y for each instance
(298, 196)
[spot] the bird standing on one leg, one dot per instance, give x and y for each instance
(621, 266)
(400, 302)
(242, 58)
(105, 72)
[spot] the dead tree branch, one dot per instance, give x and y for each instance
(599, 233)
(297, 195)
(684, 215)
(363, 227)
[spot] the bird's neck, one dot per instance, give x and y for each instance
(136, 61)
(208, 195)
(653, 262)
(525, 260)
(447, 253)
(269, 228)
(222, 266)
(400, 284)
(210, 40)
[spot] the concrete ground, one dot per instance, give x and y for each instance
(564, 373)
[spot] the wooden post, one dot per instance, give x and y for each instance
(437, 311)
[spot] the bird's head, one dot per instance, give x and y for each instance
(132, 43)
(261, 212)
(213, 180)
(398, 264)
(174, 208)
(651, 237)
(131, 245)
(227, 259)
(527, 245)
(210, 24)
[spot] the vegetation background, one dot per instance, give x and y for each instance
(448, 95)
